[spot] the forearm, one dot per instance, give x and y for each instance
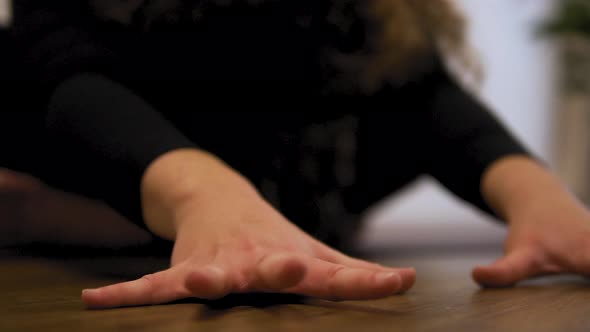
(518, 185)
(133, 158)
(102, 137)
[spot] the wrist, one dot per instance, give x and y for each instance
(515, 185)
(182, 179)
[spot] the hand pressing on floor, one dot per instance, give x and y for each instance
(229, 240)
(548, 228)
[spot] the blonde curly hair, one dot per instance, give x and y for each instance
(402, 37)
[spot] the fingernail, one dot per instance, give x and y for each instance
(218, 272)
(383, 277)
(89, 291)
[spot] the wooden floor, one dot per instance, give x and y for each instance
(42, 294)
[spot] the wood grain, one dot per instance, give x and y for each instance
(43, 294)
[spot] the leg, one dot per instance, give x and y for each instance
(31, 212)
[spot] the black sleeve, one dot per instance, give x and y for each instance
(60, 38)
(100, 136)
(464, 139)
(103, 137)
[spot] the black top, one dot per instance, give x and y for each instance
(113, 98)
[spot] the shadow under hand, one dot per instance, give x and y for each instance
(284, 305)
(215, 309)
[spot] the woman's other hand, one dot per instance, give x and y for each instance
(549, 229)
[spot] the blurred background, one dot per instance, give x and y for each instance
(520, 85)
(531, 51)
(524, 86)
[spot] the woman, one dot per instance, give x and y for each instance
(134, 98)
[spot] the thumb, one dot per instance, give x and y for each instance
(154, 288)
(508, 270)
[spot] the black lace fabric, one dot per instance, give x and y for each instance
(312, 168)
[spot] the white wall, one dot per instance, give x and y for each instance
(521, 67)
(519, 87)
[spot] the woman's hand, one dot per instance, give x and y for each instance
(549, 230)
(229, 240)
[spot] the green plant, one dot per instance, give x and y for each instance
(572, 18)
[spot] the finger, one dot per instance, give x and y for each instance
(278, 271)
(155, 288)
(407, 275)
(338, 282)
(574, 258)
(508, 270)
(211, 282)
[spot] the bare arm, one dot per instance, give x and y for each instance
(517, 184)
(229, 240)
(549, 228)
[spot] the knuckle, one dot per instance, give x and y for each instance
(334, 270)
(241, 286)
(242, 282)
(248, 246)
(150, 280)
(537, 262)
